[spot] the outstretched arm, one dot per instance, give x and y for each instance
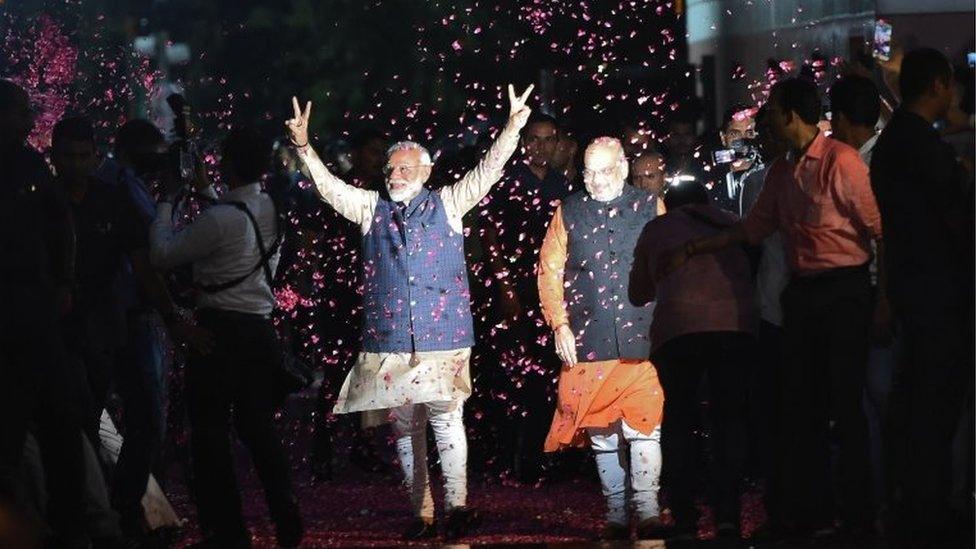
(353, 203)
(671, 260)
(759, 223)
(466, 193)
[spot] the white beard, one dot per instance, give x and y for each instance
(404, 194)
(605, 193)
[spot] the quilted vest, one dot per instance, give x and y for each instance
(416, 295)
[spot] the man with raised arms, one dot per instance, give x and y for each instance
(417, 325)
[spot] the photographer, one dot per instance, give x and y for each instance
(233, 249)
(737, 159)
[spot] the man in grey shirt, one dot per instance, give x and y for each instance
(226, 246)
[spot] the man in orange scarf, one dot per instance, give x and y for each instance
(608, 389)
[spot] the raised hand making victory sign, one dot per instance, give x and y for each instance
(298, 124)
(518, 110)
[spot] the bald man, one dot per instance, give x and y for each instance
(608, 389)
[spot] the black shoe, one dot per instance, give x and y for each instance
(727, 530)
(652, 528)
(289, 529)
(683, 531)
(132, 523)
(764, 533)
(856, 531)
(364, 457)
(420, 528)
(218, 543)
(824, 532)
(290, 534)
(613, 531)
(321, 471)
(163, 537)
(460, 521)
(115, 543)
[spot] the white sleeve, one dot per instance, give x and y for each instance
(355, 204)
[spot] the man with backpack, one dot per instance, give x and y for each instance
(233, 247)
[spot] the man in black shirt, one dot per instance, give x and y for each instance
(928, 230)
(513, 229)
(112, 237)
(36, 243)
(519, 212)
(107, 230)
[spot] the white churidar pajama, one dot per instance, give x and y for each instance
(610, 448)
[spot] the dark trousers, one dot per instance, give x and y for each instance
(131, 362)
(140, 382)
(235, 381)
(764, 394)
(724, 357)
(826, 325)
(35, 386)
(933, 374)
(531, 369)
(94, 363)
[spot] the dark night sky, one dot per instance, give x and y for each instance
(423, 69)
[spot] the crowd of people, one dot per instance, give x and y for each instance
(811, 279)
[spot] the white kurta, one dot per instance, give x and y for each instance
(380, 381)
(386, 380)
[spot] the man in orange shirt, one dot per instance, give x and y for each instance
(819, 197)
(608, 389)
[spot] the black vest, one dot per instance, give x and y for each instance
(601, 237)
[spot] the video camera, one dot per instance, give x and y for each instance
(742, 149)
(182, 155)
(177, 160)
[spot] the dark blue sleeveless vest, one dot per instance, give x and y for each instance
(601, 237)
(416, 295)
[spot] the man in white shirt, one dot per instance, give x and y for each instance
(225, 249)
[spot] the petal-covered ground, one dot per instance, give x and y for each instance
(363, 513)
(358, 509)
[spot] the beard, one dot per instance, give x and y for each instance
(604, 192)
(402, 190)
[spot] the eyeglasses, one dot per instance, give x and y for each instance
(408, 171)
(606, 172)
